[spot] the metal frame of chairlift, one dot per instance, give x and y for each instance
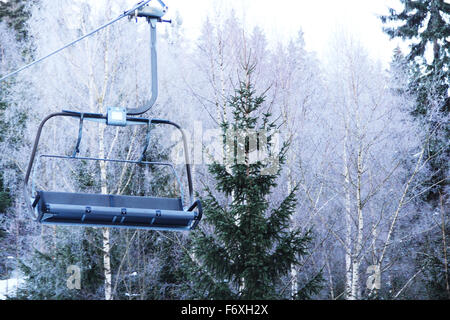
(108, 210)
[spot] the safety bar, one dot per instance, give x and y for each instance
(197, 204)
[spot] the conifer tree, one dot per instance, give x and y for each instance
(399, 72)
(5, 202)
(13, 49)
(415, 15)
(16, 14)
(249, 248)
(48, 273)
(425, 24)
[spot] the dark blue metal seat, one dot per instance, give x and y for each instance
(113, 211)
(110, 210)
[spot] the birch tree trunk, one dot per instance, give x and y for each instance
(348, 220)
(294, 285)
(356, 263)
(105, 231)
(103, 177)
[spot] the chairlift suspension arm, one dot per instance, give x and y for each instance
(154, 71)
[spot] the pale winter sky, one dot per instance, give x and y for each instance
(283, 19)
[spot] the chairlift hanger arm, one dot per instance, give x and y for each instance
(154, 71)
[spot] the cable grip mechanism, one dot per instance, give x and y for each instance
(152, 12)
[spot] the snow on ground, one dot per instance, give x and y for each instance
(8, 286)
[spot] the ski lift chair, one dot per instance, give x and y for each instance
(110, 210)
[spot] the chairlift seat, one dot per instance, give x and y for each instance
(102, 210)
(105, 210)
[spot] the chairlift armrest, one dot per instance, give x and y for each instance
(197, 204)
(36, 200)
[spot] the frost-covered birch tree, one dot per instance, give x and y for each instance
(360, 191)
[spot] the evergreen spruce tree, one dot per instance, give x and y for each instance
(244, 247)
(435, 266)
(16, 14)
(415, 15)
(425, 22)
(13, 15)
(5, 202)
(5, 197)
(47, 273)
(399, 73)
